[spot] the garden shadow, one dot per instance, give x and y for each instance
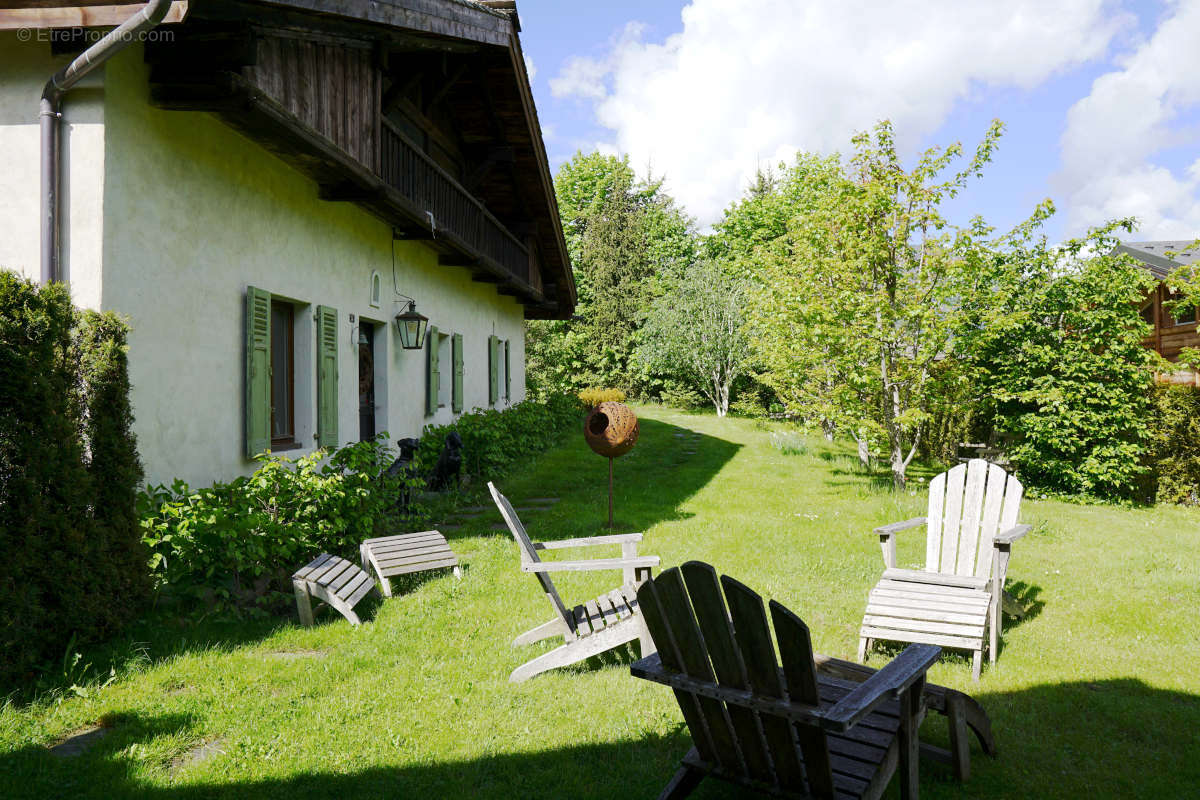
(1114, 738)
(668, 466)
(621, 769)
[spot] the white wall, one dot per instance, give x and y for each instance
(193, 213)
(24, 69)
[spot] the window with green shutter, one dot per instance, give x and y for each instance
(456, 346)
(258, 371)
(507, 375)
(327, 377)
(433, 375)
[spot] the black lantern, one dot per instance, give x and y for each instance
(412, 327)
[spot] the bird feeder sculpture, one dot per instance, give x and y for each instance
(611, 430)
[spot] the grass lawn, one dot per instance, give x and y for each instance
(1096, 694)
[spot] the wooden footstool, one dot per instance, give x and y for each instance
(389, 556)
(338, 582)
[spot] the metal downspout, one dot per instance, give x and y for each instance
(50, 120)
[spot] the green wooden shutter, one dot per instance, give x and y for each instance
(258, 371)
(507, 374)
(433, 373)
(327, 377)
(456, 345)
(493, 371)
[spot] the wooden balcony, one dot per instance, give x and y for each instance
(452, 211)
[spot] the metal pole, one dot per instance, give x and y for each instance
(610, 493)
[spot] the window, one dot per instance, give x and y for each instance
(283, 375)
(376, 289)
(1148, 312)
(1181, 314)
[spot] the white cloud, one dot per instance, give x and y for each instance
(749, 84)
(1114, 134)
(530, 67)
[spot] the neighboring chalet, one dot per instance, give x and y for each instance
(262, 186)
(1173, 330)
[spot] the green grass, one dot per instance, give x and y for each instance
(1095, 694)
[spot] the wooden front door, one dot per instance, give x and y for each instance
(366, 383)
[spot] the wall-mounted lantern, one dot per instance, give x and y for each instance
(412, 327)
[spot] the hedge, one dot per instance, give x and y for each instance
(493, 440)
(73, 565)
(1175, 443)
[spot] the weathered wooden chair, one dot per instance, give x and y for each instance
(593, 627)
(340, 583)
(389, 557)
(775, 725)
(958, 597)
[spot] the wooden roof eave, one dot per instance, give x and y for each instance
(247, 109)
(452, 18)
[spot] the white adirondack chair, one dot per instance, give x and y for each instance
(590, 628)
(958, 597)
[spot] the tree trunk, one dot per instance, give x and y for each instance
(827, 428)
(864, 451)
(899, 466)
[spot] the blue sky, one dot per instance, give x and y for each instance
(1101, 99)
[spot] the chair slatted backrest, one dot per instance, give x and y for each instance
(726, 641)
(529, 555)
(968, 506)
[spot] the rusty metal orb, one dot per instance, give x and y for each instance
(611, 429)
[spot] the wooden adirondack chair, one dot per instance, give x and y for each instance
(591, 628)
(970, 528)
(775, 725)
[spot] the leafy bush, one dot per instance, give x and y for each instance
(492, 440)
(235, 544)
(593, 397)
(72, 569)
(1176, 443)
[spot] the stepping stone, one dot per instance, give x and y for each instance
(468, 515)
(545, 501)
(473, 509)
(528, 509)
(200, 753)
(499, 526)
(79, 742)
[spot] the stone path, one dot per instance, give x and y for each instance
(79, 742)
(198, 754)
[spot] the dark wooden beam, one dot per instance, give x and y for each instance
(447, 85)
(345, 192)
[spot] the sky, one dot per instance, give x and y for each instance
(1100, 98)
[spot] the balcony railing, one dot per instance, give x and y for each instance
(416, 176)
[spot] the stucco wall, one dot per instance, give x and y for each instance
(193, 213)
(24, 69)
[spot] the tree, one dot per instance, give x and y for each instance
(625, 236)
(1056, 345)
(863, 299)
(695, 331)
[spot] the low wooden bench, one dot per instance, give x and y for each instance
(388, 556)
(340, 583)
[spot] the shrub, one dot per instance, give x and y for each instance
(493, 440)
(235, 544)
(71, 567)
(594, 397)
(1175, 430)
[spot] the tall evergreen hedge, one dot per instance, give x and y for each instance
(72, 563)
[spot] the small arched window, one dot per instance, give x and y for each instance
(376, 289)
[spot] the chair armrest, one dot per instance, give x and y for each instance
(889, 682)
(590, 541)
(896, 527)
(641, 562)
(1012, 534)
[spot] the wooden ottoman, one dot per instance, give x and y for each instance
(389, 556)
(338, 582)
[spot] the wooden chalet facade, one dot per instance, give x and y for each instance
(419, 111)
(1174, 329)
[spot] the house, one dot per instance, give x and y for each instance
(1173, 329)
(262, 187)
